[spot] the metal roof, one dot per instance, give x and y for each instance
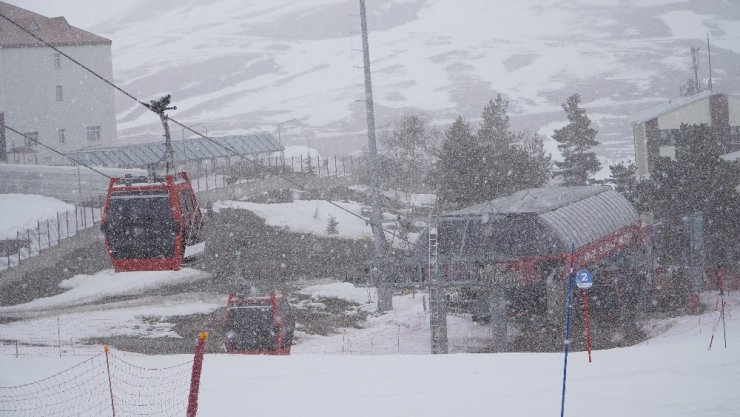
(185, 150)
(547, 220)
(533, 200)
(54, 30)
(653, 112)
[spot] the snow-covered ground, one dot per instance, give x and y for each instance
(312, 216)
(671, 374)
(307, 216)
(21, 211)
(103, 304)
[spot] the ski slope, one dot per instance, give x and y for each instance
(671, 374)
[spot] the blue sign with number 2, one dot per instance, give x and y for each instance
(584, 279)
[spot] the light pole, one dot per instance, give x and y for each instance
(282, 123)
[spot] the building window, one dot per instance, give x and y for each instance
(668, 137)
(31, 139)
(60, 93)
(57, 61)
(61, 135)
(93, 133)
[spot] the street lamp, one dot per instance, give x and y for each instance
(282, 123)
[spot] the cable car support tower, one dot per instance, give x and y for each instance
(159, 107)
(379, 272)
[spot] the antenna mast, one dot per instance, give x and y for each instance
(695, 66)
(709, 51)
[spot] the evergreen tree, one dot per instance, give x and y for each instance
(575, 141)
(459, 167)
(494, 162)
(407, 148)
(537, 170)
(697, 181)
(495, 127)
(331, 225)
(624, 179)
(511, 161)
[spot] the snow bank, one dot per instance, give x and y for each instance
(308, 216)
(106, 283)
(21, 211)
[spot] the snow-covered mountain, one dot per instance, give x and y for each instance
(239, 65)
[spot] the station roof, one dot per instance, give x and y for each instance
(54, 30)
(658, 110)
(541, 221)
(129, 156)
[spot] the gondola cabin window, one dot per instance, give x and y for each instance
(252, 328)
(141, 225)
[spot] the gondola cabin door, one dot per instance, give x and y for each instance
(148, 221)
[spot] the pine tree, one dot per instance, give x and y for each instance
(459, 167)
(537, 170)
(512, 161)
(495, 127)
(575, 141)
(624, 179)
(331, 225)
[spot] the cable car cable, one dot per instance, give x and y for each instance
(70, 58)
(57, 152)
(160, 111)
(288, 180)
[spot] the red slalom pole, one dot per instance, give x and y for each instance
(588, 326)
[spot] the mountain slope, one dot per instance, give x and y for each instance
(244, 65)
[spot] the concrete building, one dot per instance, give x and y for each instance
(48, 97)
(655, 128)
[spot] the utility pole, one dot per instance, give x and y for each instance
(385, 295)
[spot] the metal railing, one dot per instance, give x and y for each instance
(25, 243)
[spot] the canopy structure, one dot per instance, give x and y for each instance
(535, 222)
(141, 155)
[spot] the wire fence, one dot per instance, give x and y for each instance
(22, 244)
(103, 385)
(25, 243)
(29, 333)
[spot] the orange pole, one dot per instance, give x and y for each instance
(110, 383)
(195, 377)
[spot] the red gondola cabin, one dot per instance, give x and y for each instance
(258, 325)
(148, 222)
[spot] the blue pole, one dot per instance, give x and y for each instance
(566, 343)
